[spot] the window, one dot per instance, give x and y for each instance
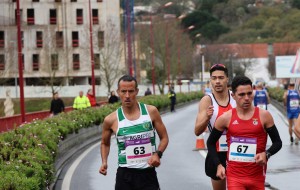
(21, 14)
(39, 39)
(13, 0)
(75, 39)
(52, 16)
(2, 62)
(59, 39)
(35, 0)
(30, 16)
(35, 62)
(76, 62)
(73, 0)
(101, 39)
(54, 62)
(95, 16)
(2, 39)
(97, 61)
(99, 0)
(57, 0)
(79, 16)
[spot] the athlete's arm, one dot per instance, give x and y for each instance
(105, 142)
(162, 133)
(220, 125)
(284, 98)
(268, 123)
(205, 111)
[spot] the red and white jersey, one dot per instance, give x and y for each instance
(245, 139)
(219, 110)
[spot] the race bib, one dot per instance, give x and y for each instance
(242, 149)
(223, 144)
(294, 103)
(138, 151)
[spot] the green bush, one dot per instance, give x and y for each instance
(27, 154)
(276, 93)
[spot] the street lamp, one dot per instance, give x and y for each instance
(21, 84)
(92, 50)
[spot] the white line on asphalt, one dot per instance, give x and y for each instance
(68, 176)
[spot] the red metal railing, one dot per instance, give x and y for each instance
(9, 123)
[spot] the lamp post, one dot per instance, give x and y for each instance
(152, 56)
(92, 50)
(22, 104)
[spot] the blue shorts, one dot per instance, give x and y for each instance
(293, 115)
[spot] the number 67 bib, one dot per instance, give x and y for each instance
(242, 149)
(138, 151)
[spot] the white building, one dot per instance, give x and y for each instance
(56, 39)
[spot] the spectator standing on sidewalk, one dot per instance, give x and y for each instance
(57, 105)
(135, 126)
(81, 102)
(291, 101)
(172, 97)
(148, 92)
(247, 128)
(113, 98)
(91, 98)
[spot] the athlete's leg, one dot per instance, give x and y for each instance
(291, 130)
(219, 184)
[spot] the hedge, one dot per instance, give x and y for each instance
(28, 153)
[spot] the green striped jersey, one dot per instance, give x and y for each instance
(135, 139)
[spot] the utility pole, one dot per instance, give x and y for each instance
(20, 64)
(92, 50)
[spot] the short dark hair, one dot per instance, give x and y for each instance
(238, 81)
(127, 78)
(218, 67)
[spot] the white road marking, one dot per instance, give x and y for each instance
(68, 176)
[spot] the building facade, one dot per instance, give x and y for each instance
(56, 40)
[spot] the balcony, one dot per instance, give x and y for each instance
(39, 43)
(30, 20)
(53, 20)
(79, 20)
(76, 65)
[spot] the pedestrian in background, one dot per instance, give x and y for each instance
(113, 98)
(81, 102)
(148, 92)
(247, 129)
(57, 105)
(172, 97)
(91, 98)
(135, 126)
(291, 101)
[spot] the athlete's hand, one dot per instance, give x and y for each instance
(260, 158)
(221, 172)
(210, 111)
(103, 169)
(154, 160)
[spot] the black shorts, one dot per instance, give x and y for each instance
(136, 179)
(211, 168)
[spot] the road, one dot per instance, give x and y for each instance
(181, 168)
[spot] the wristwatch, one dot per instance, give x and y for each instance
(268, 155)
(159, 153)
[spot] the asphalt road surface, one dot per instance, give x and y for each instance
(181, 167)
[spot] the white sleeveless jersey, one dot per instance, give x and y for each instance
(135, 139)
(219, 110)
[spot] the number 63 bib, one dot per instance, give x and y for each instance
(242, 149)
(137, 151)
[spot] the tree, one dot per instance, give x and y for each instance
(110, 54)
